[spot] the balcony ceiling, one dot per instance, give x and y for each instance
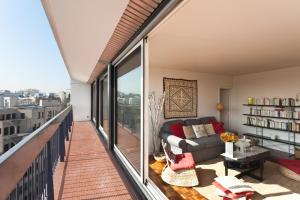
(82, 29)
(228, 37)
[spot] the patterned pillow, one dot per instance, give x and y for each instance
(199, 130)
(188, 132)
(209, 129)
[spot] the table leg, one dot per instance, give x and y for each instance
(261, 171)
(226, 167)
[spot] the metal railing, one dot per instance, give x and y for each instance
(26, 170)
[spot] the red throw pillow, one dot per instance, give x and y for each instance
(177, 130)
(218, 126)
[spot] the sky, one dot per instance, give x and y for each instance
(125, 83)
(29, 55)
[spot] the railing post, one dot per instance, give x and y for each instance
(61, 143)
(66, 128)
(70, 120)
(50, 191)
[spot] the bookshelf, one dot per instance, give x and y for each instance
(279, 117)
(271, 117)
(279, 106)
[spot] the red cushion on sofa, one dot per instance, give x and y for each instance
(183, 161)
(177, 130)
(218, 126)
(293, 165)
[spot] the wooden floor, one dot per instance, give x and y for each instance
(88, 172)
(172, 192)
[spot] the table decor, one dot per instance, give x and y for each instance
(229, 139)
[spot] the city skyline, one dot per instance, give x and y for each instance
(29, 56)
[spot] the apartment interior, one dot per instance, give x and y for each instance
(228, 60)
(245, 50)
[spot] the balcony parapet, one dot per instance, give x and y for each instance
(26, 170)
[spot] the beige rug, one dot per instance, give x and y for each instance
(274, 187)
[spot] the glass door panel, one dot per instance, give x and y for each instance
(104, 105)
(94, 100)
(128, 108)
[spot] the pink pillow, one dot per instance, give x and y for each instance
(218, 126)
(183, 161)
(177, 130)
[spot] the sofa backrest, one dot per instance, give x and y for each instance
(188, 122)
(206, 120)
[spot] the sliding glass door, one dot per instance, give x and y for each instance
(128, 137)
(103, 105)
(94, 101)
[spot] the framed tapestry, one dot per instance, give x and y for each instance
(181, 98)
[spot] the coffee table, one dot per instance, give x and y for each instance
(247, 162)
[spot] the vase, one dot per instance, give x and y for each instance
(229, 148)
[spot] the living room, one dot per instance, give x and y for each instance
(250, 50)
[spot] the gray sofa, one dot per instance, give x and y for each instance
(203, 148)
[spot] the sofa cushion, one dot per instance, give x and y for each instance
(218, 127)
(166, 125)
(177, 130)
(203, 143)
(199, 130)
(209, 129)
(188, 132)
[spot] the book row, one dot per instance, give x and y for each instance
(269, 123)
(273, 101)
(290, 114)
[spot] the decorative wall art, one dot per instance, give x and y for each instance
(181, 98)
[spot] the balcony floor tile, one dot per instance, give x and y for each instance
(88, 172)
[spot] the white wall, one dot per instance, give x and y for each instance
(208, 89)
(81, 100)
(276, 83)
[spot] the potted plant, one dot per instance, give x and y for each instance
(155, 107)
(229, 139)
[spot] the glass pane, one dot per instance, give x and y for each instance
(128, 138)
(94, 101)
(105, 124)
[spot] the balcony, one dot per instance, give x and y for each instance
(62, 160)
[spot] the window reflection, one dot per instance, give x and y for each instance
(128, 138)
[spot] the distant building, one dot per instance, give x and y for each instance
(63, 96)
(9, 102)
(27, 101)
(49, 102)
(29, 92)
(18, 122)
(13, 127)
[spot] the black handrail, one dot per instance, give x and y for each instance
(26, 170)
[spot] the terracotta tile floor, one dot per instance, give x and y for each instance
(88, 172)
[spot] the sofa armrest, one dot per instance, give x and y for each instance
(174, 140)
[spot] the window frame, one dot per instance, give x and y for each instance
(100, 104)
(143, 144)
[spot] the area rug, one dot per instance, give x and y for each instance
(274, 187)
(181, 98)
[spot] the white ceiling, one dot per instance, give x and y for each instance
(228, 37)
(82, 29)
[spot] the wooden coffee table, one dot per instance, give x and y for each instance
(247, 163)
